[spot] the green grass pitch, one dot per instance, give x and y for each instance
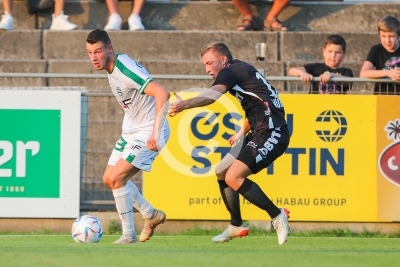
(192, 251)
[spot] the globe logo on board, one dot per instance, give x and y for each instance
(332, 126)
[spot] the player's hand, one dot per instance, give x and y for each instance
(306, 77)
(152, 143)
(235, 138)
(173, 108)
(325, 77)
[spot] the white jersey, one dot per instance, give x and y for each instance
(128, 80)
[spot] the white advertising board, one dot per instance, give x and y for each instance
(40, 153)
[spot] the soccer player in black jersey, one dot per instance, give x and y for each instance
(267, 136)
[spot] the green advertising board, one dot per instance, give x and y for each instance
(30, 159)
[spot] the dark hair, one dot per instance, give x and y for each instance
(98, 35)
(389, 24)
(219, 47)
(337, 40)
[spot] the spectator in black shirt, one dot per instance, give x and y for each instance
(383, 59)
(333, 52)
(269, 137)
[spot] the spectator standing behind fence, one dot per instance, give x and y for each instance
(383, 59)
(115, 20)
(333, 52)
(59, 20)
(271, 22)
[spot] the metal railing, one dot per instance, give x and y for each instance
(103, 116)
(175, 83)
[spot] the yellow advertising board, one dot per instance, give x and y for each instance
(329, 172)
(388, 163)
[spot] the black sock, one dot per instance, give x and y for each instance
(231, 201)
(253, 193)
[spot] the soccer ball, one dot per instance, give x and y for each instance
(87, 229)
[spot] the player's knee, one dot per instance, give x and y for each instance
(106, 181)
(230, 180)
(115, 181)
(111, 181)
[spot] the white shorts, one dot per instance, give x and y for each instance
(133, 148)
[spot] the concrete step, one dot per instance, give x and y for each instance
(271, 68)
(205, 15)
(181, 45)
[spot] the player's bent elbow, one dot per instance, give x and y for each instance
(167, 95)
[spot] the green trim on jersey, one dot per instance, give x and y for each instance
(127, 72)
(145, 85)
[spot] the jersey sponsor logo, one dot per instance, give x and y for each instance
(138, 64)
(135, 146)
(269, 144)
(252, 144)
(125, 103)
(389, 160)
(119, 91)
(335, 126)
(267, 112)
(139, 141)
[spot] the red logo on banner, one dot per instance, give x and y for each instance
(389, 160)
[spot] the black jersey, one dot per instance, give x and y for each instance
(258, 98)
(384, 60)
(317, 69)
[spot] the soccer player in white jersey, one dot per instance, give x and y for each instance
(144, 132)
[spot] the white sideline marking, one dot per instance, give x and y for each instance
(172, 236)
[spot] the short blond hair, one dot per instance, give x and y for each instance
(389, 24)
(219, 47)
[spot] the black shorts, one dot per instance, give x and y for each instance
(259, 150)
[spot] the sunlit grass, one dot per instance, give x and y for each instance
(193, 250)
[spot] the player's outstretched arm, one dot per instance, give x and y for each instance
(205, 98)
